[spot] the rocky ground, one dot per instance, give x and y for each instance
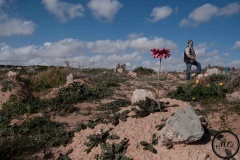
(135, 129)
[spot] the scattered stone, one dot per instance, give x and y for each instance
(182, 76)
(193, 75)
(120, 70)
(170, 76)
(234, 97)
(141, 94)
(12, 75)
(70, 78)
(200, 76)
(78, 81)
(133, 74)
(183, 126)
(16, 122)
(212, 71)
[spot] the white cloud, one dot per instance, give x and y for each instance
(141, 44)
(226, 54)
(144, 44)
(213, 53)
(185, 22)
(64, 11)
(106, 9)
(203, 13)
(134, 52)
(230, 9)
(107, 46)
(14, 25)
(1, 2)
(235, 63)
(124, 58)
(236, 45)
(208, 11)
(135, 35)
(103, 53)
(200, 50)
(159, 13)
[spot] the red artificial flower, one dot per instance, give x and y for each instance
(156, 53)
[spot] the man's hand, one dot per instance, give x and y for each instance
(192, 60)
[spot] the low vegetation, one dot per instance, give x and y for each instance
(20, 142)
(34, 135)
(40, 133)
(144, 70)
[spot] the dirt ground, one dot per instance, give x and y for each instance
(137, 129)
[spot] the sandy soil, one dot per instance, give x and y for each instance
(142, 129)
(134, 129)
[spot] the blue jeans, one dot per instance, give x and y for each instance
(189, 66)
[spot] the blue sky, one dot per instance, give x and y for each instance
(102, 33)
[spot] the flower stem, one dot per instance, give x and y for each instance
(158, 84)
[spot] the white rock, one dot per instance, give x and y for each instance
(234, 97)
(183, 126)
(141, 94)
(212, 71)
(120, 70)
(70, 78)
(133, 74)
(12, 75)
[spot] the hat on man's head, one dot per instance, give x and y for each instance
(190, 41)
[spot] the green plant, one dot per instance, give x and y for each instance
(143, 70)
(114, 119)
(50, 78)
(64, 156)
(154, 139)
(212, 131)
(96, 139)
(31, 137)
(229, 154)
(159, 127)
(7, 85)
(114, 106)
(113, 151)
(80, 127)
(91, 124)
(12, 98)
(197, 92)
(146, 107)
(231, 83)
(156, 53)
(4, 118)
(147, 146)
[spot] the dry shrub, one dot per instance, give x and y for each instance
(232, 82)
(53, 77)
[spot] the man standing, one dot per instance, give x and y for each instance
(190, 59)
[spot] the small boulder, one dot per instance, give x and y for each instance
(12, 75)
(183, 126)
(141, 94)
(234, 97)
(132, 74)
(70, 78)
(182, 76)
(120, 70)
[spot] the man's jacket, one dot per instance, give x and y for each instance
(189, 55)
